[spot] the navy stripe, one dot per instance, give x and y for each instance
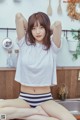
(33, 106)
(37, 101)
(35, 97)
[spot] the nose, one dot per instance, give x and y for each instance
(37, 30)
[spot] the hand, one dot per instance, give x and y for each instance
(56, 24)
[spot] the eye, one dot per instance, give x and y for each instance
(33, 28)
(41, 27)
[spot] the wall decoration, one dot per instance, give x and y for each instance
(73, 13)
(49, 9)
(76, 36)
(17, 1)
(72, 45)
(59, 9)
(7, 42)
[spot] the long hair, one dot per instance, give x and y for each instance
(44, 21)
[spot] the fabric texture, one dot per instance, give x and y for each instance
(36, 66)
(35, 99)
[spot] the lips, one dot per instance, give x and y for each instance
(38, 36)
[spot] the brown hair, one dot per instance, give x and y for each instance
(45, 22)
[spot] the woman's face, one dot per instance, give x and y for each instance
(38, 32)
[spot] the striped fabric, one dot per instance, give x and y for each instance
(35, 99)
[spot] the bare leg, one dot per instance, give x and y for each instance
(52, 108)
(40, 117)
(43, 116)
(13, 112)
(13, 103)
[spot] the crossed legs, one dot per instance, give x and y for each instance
(49, 110)
(16, 108)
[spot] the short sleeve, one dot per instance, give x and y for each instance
(54, 47)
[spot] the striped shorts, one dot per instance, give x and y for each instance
(35, 99)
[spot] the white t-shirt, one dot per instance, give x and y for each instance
(36, 66)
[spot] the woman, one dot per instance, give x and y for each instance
(36, 70)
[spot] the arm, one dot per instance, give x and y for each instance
(57, 29)
(21, 25)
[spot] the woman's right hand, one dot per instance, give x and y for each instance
(21, 25)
